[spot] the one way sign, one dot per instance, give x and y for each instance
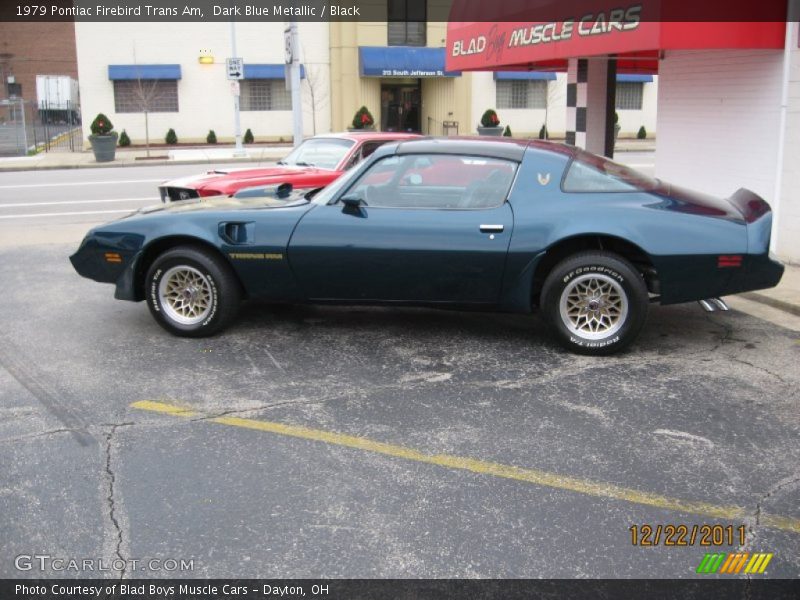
(235, 68)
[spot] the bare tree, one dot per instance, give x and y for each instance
(317, 90)
(145, 93)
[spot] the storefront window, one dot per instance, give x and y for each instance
(521, 94)
(407, 23)
(629, 95)
(145, 95)
(265, 94)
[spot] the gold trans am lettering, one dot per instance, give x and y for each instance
(255, 256)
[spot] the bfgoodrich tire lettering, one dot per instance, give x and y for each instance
(595, 302)
(191, 292)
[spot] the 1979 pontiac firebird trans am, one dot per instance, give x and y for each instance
(499, 225)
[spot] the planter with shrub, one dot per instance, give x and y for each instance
(248, 137)
(171, 138)
(211, 138)
(490, 124)
(103, 139)
(362, 120)
(642, 133)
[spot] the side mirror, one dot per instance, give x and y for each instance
(352, 201)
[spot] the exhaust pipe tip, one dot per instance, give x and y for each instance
(707, 305)
(720, 303)
(713, 305)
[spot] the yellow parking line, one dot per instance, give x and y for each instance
(543, 478)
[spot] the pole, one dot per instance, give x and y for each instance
(297, 104)
(237, 125)
(783, 107)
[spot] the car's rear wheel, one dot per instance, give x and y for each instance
(191, 292)
(595, 302)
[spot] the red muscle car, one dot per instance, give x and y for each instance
(313, 164)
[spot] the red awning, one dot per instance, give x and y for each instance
(625, 32)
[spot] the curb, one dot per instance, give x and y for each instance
(143, 163)
(773, 302)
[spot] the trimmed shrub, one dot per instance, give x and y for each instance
(248, 137)
(490, 118)
(507, 131)
(101, 125)
(211, 138)
(171, 137)
(642, 133)
(543, 133)
(124, 140)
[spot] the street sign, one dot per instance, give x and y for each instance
(288, 47)
(235, 68)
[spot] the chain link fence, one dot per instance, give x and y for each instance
(26, 128)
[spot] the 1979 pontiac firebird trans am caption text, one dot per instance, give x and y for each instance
(150, 10)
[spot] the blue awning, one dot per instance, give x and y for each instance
(268, 71)
(529, 75)
(402, 61)
(634, 78)
(117, 72)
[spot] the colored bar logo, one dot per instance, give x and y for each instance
(732, 563)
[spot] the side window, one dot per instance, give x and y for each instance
(439, 181)
(366, 149)
(590, 173)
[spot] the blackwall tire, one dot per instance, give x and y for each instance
(595, 303)
(191, 292)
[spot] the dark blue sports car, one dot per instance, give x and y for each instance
(482, 224)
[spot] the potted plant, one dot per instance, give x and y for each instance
(362, 120)
(490, 124)
(103, 139)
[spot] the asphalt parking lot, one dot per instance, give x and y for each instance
(365, 442)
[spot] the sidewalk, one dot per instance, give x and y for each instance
(138, 157)
(200, 155)
(785, 297)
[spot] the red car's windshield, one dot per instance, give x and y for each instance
(325, 153)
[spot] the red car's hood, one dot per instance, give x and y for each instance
(229, 181)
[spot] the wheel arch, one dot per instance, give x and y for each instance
(566, 247)
(160, 245)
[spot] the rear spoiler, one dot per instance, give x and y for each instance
(750, 205)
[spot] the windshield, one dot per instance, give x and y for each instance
(329, 192)
(325, 153)
(591, 173)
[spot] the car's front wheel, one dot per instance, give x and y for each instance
(595, 302)
(191, 292)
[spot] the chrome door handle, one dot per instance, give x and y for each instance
(492, 228)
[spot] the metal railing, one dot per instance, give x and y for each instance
(26, 128)
(445, 128)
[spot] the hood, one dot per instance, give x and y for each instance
(220, 177)
(218, 203)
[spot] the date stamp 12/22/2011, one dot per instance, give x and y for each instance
(706, 535)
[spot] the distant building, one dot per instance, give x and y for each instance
(31, 49)
(176, 73)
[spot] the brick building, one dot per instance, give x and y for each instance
(31, 49)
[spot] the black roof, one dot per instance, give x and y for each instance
(494, 147)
